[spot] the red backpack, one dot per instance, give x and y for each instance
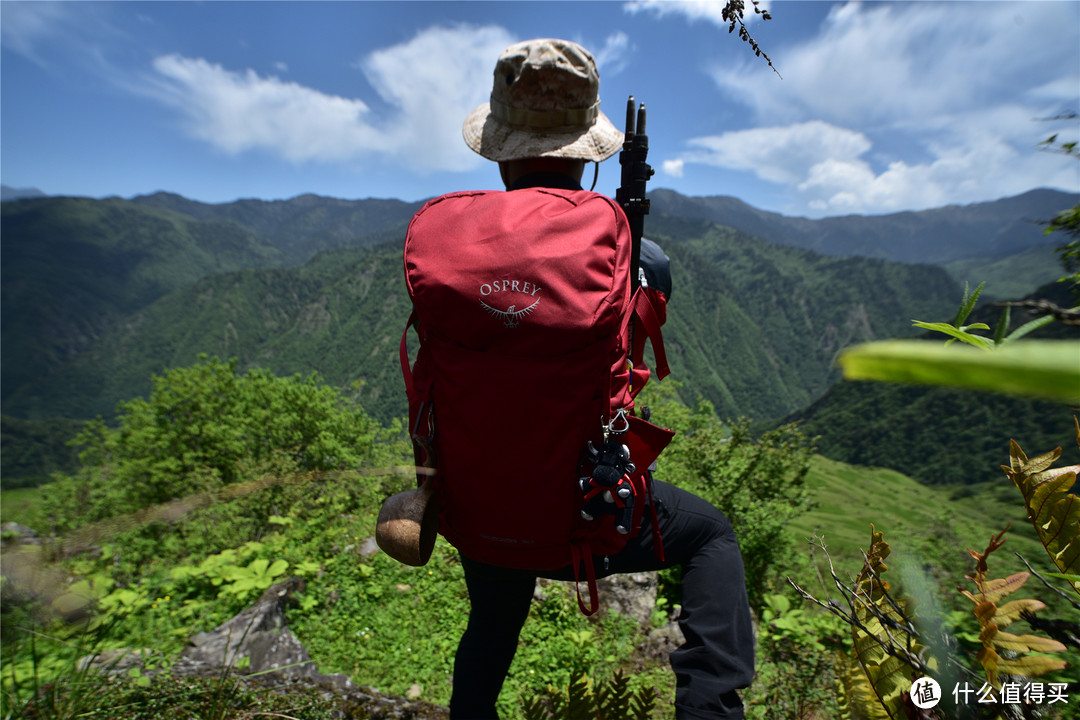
(532, 338)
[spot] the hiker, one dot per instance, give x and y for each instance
(542, 127)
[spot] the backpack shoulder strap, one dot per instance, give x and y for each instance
(650, 325)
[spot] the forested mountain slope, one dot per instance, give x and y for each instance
(151, 282)
(72, 267)
(752, 327)
(941, 435)
(755, 327)
(75, 267)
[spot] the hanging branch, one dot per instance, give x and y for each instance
(733, 13)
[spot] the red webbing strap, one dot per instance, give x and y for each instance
(650, 323)
(581, 555)
(403, 353)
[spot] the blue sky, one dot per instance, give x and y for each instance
(878, 106)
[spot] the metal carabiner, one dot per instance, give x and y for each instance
(611, 429)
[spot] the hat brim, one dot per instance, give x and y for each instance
(498, 141)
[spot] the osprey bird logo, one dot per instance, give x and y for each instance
(510, 316)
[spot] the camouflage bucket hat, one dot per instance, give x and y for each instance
(544, 103)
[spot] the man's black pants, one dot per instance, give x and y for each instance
(718, 655)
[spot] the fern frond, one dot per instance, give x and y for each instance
(643, 703)
(856, 699)
(532, 708)
(581, 704)
(558, 702)
(613, 698)
(1052, 509)
(992, 618)
(879, 636)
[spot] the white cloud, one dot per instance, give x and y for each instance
(907, 105)
(26, 25)
(829, 169)
(434, 81)
(429, 85)
(674, 168)
(778, 154)
(898, 62)
(611, 59)
(47, 32)
(244, 111)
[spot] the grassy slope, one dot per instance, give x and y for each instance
(914, 518)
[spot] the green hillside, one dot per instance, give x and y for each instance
(940, 435)
(32, 450)
(754, 328)
(267, 469)
(98, 295)
(72, 267)
(325, 317)
(1011, 277)
(363, 610)
(934, 524)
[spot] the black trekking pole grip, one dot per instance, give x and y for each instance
(635, 174)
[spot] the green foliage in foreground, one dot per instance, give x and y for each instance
(81, 693)
(221, 483)
(168, 571)
(953, 433)
(207, 427)
(892, 645)
(1047, 370)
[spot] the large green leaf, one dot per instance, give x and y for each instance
(1047, 369)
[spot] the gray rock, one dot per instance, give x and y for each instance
(260, 633)
(12, 533)
(660, 642)
(629, 594)
(369, 547)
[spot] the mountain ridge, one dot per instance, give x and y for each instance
(12, 193)
(987, 230)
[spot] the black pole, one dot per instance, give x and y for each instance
(635, 174)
